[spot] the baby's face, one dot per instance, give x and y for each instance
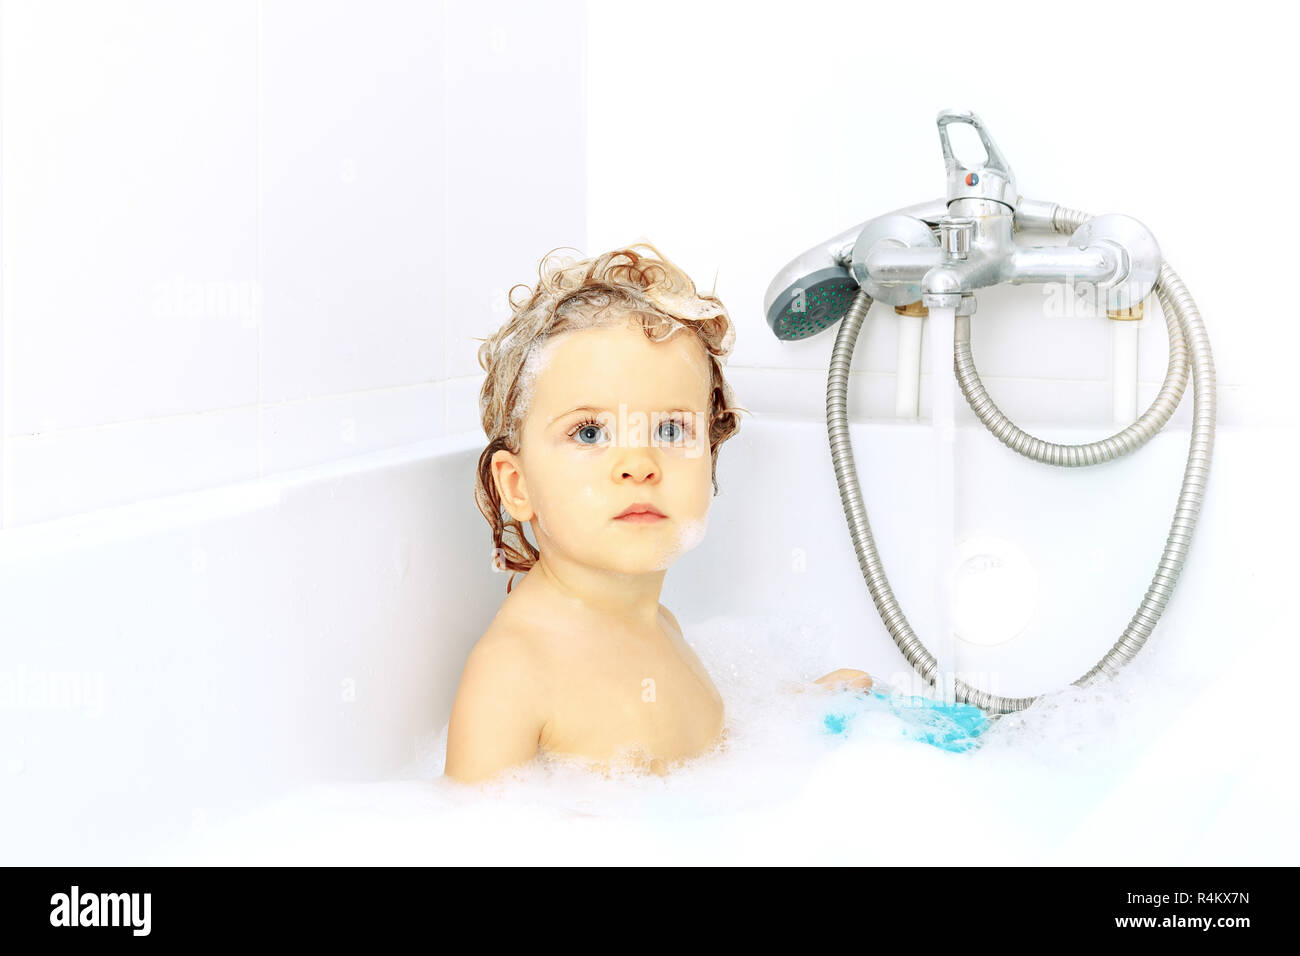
(617, 420)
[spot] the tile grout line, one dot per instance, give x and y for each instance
(229, 408)
(4, 325)
(983, 377)
(443, 318)
(257, 219)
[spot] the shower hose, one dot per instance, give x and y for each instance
(1186, 331)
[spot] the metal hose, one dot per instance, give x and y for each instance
(1186, 330)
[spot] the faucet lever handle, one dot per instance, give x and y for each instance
(994, 180)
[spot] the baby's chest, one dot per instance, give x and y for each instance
(663, 705)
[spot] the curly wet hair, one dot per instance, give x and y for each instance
(636, 282)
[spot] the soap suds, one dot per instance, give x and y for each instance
(689, 534)
(538, 358)
(1042, 787)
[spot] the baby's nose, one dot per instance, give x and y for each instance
(646, 473)
(636, 465)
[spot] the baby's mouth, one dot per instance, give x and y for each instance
(641, 517)
(642, 512)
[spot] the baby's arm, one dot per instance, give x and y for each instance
(836, 679)
(847, 677)
(497, 719)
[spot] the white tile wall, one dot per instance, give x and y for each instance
(351, 145)
(516, 124)
(297, 218)
(301, 433)
(128, 196)
(116, 464)
(462, 404)
(245, 236)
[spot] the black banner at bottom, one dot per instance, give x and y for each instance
(236, 904)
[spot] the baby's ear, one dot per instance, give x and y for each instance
(509, 478)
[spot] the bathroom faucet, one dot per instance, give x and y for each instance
(940, 253)
(974, 247)
(936, 256)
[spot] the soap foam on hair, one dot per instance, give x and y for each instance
(538, 358)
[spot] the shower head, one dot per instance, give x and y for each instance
(810, 303)
(815, 289)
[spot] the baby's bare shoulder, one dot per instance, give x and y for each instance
(500, 713)
(509, 648)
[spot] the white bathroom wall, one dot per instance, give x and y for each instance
(246, 236)
(249, 236)
(735, 136)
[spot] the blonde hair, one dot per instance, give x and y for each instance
(636, 282)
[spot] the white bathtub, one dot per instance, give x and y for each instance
(173, 666)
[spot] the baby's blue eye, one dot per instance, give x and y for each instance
(676, 433)
(587, 429)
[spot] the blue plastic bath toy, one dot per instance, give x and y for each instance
(954, 727)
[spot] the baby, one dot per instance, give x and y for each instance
(605, 406)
